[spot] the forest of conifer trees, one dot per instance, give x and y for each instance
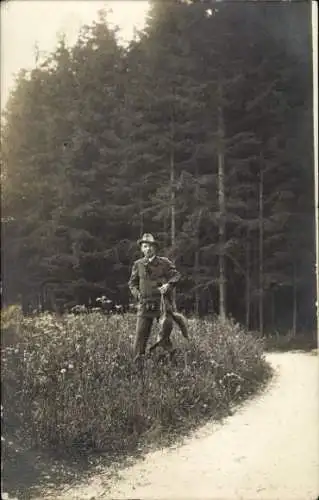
(199, 131)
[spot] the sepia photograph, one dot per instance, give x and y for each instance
(159, 250)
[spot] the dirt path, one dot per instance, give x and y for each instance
(268, 450)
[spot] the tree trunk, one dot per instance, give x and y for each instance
(166, 230)
(197, 297)
(273, 309)
(261, 251)
(173, 208)
(196, 260)
(294, 295)
(222, 208)
(314, 36)
(141, 213)
(248, 285)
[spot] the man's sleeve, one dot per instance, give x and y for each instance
(134, 281)
(173, 275)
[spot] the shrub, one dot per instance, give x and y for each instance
(70, 383)
(11, 323)
(305, 341)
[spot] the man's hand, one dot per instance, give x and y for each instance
(163, 289)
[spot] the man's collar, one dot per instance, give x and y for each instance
(152, 259)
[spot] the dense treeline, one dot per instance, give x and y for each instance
(200, 132)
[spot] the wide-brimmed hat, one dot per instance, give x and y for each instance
(147, 238)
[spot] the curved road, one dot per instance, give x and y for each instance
(269, 449)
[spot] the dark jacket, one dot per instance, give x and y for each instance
(147, 277)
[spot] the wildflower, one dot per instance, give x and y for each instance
(79, 308)
(63, 370)
(70, 366)
(103, 300)
(238, 389)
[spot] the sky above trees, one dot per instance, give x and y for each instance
(22, 27)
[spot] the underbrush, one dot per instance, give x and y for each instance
(69, 383)
(306, 341)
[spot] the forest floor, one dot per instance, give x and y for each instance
(269, 449)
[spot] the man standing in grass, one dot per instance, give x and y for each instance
(151, 276)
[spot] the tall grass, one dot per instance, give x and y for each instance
(70, 382)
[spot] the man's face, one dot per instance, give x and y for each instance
(148, 250)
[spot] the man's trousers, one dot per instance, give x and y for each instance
(143, 331)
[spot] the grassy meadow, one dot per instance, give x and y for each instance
(69, 384)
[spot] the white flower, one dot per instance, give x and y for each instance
(70, 366)
(63, 370)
